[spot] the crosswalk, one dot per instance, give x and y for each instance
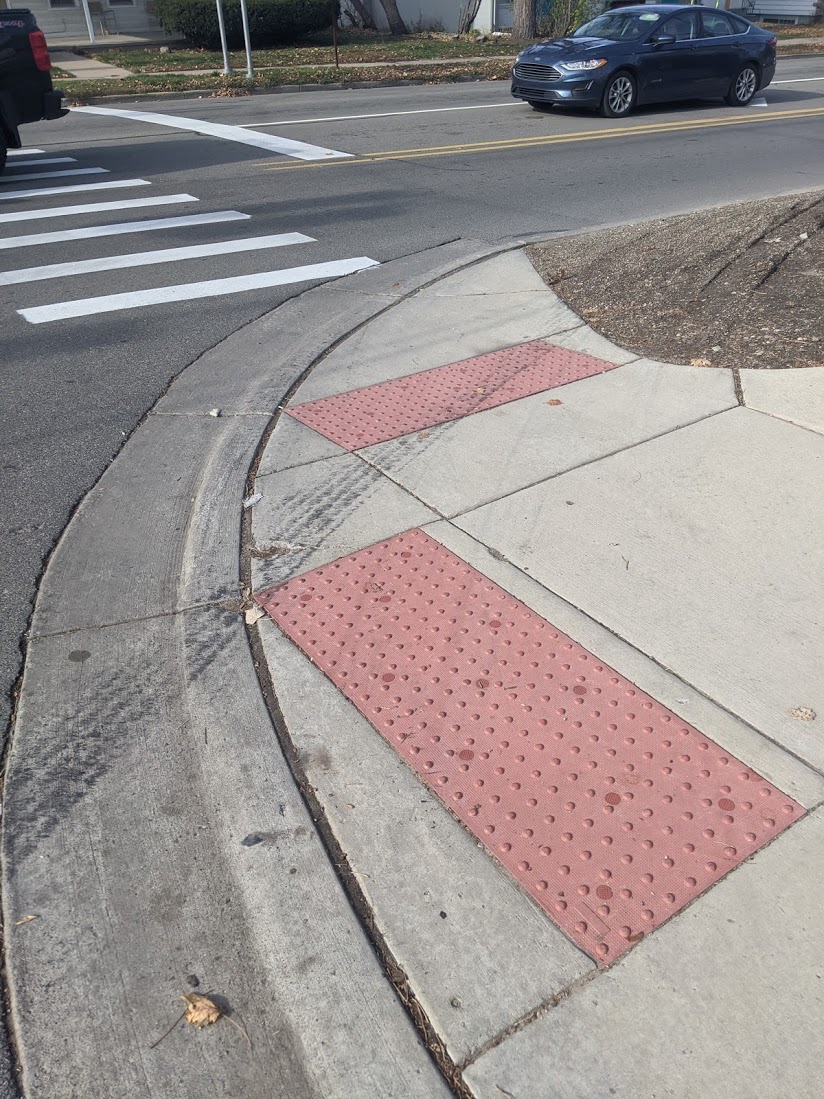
(33, 166)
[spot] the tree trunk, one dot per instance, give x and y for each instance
(363, 13)
(524, 19)
(393, 17)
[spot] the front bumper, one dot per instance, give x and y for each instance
(584, 89)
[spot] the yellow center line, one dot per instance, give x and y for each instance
(423, 152)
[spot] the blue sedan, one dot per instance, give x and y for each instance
(648, 54)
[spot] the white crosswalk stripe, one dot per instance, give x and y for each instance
(95, 208)
(270, 142)
(146, 259)
(123, 227)
(154, 295)
(25, 152)
(213, 288)
(45, 160)
(44, 192)
(55, 175)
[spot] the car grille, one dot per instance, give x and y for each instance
(537, 72)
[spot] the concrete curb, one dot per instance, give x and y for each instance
(146, 855)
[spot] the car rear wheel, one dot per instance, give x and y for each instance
(619, 96)
(743, 87)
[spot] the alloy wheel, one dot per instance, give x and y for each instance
(620, 95)
(745, 85)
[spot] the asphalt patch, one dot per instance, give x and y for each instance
(735, 286)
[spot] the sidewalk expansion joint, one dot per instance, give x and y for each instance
(739, 388)
(528, 1017)
(817, 431)
(403, 488)
(498, 556)
(220, 415)
(234, 604)
(590, 462)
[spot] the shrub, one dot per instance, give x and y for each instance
(271, 22)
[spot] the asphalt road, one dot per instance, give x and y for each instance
(73, 389)
(430, 164)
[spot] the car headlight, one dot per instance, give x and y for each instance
(582, 66)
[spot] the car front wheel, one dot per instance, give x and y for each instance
(743, 87)
(619, 96)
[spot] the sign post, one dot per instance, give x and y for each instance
(221, 26)
(89, 23)
(244, 15)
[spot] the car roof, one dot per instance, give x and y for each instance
(663, 8)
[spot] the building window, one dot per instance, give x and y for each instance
(61, 3)
(121, 3)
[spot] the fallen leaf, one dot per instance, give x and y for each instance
(636, 938)
(800, 713)
(554, 402)
(200, 1010)
(25, 919)
(253, 614)
(423, 435)
(700, 362)
(480, 389)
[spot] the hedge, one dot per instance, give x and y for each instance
(271, 22)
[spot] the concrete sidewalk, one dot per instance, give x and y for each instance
(523, 716)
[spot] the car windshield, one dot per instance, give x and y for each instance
(619, 25)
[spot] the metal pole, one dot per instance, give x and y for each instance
(227, 68)
(89, 24)
(244, 14)
(335, 31)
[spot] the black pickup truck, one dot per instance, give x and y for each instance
(26, 92)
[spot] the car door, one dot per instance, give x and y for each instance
(672, 70)
(721, 47)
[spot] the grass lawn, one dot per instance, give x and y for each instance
(353, 48)
(79, 91)
(782, 30)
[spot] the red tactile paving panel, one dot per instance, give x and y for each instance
(391, 409)
(609, 810)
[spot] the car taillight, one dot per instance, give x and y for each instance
(774, 41)
(40, 51)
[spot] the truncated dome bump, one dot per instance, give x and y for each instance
(608, 809)
(398, 407)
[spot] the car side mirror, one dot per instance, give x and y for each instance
(664, 40)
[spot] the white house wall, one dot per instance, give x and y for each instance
(782, 9)
(69, 22)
